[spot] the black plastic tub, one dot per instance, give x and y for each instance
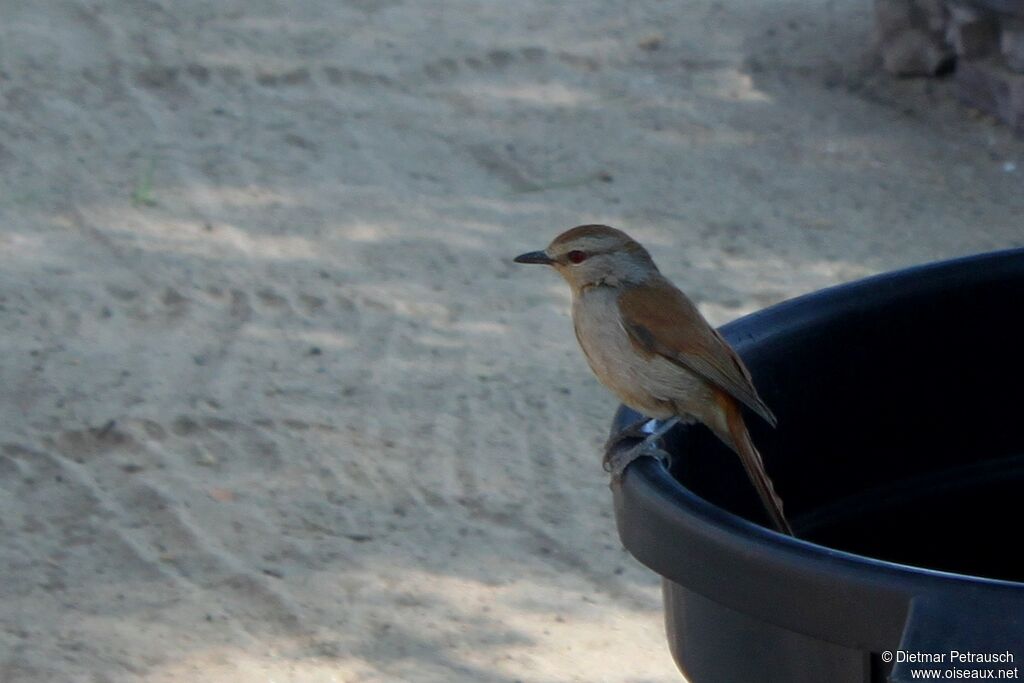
(900, 456)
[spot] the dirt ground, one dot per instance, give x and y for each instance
(275, 405)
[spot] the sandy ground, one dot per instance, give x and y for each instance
(275, 404)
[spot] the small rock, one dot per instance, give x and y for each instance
(1011, 44)
(106, 429)
(222, 495)
(973, 34)
(912, 37)
(994, 89)
(359, 538)
(915, 53)
(203, 457)
(651, 42)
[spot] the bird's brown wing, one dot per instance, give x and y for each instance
(661, 320)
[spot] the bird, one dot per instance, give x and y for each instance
(651, 347)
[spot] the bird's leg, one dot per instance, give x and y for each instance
(634, 430)
(615, 461)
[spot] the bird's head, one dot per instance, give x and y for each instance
(590, 255)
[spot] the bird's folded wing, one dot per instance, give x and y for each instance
(661, 320)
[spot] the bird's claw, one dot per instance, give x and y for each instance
(634, 430)
(617, 459)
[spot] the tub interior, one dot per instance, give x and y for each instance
(901, 420)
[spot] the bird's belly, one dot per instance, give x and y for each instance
(648, 383)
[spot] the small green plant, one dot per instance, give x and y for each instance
(142, 195)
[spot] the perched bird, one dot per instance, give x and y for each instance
(652, 348)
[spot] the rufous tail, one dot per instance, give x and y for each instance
(754, 466)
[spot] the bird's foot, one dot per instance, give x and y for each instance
(634, 430)
(617, 458)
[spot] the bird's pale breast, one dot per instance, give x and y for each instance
(649, 384)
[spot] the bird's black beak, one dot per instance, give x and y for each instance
(534, 257)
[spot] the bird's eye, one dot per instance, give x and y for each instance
(576, 256)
